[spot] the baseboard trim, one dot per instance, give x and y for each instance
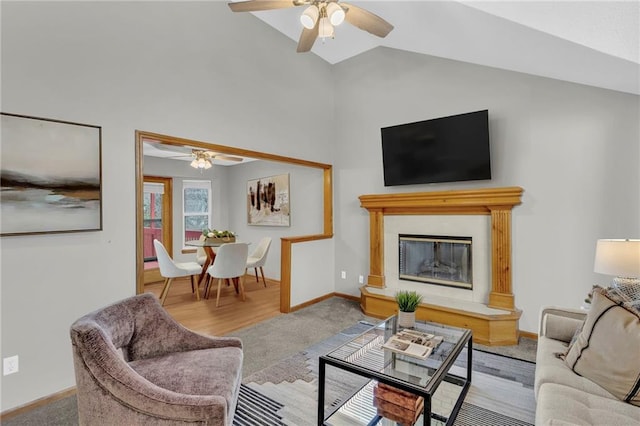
(348, 296)
(311, 302)
(9, 414)
(325, 297)
(529, 334)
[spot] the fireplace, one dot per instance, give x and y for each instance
(434, 259)
(488, 309)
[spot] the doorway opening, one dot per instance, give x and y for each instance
(286, 243)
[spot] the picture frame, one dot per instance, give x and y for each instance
(268, 202)
(50, 176)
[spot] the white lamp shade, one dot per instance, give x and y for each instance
(335, 13)
(325, 29)
(620, 258)
(309, 17)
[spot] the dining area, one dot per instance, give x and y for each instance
(219, 260)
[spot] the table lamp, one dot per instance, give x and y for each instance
(620, 258)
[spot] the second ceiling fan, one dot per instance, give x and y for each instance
(320, 17)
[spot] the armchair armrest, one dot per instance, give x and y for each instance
(112, 374)
(157, 333)
(560, 323)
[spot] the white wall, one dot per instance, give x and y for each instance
(188, 69)
(574, 149)
(311, 271)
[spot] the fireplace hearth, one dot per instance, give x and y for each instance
(433, 259)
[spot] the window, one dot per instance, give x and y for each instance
(196, 208)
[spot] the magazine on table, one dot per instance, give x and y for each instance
(413, 343)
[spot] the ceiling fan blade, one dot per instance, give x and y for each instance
(176, 149)
(307, 38)
(256, 5)
(366, 20)
(227, 157)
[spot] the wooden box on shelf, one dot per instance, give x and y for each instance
(397, 405)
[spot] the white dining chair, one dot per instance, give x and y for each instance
(201, 255)
(258, 258)
(169, 269)
(230, 263)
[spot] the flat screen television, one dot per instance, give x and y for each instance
(447, 149)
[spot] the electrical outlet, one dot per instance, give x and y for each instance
(10, 365)
(361, 279)
(343, 275)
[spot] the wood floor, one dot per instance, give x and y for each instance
(232, 314)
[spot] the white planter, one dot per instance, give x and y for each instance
(406, 319)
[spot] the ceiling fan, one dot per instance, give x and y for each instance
(320, 17)
(204, 159)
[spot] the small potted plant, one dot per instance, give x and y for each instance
(408, 302)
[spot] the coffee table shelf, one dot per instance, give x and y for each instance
(433, 378)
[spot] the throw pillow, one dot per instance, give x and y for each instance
(606, 350)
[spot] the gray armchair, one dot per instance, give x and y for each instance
(135, 365)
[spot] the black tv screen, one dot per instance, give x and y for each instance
(447, 149)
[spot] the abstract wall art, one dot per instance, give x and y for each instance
(50, 176)
(268, 201)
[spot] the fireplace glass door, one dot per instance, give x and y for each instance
(436, 260)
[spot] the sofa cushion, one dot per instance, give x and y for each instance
(563, 405)
(551, 369)
(562, 328)
(607, 349)
(201, 372)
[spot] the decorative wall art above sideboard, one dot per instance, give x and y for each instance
(51, 176)
(268, 201)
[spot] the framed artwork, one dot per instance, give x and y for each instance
(50, 176)
(268, 201)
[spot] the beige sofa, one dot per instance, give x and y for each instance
(563, 397)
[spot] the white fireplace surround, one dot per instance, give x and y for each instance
(475, 226)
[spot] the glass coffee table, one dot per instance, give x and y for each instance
(442, 384)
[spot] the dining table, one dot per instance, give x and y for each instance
(208, 246)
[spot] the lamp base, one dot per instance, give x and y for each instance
(628, 289)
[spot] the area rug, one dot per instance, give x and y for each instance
(285, 393)
(501, 392)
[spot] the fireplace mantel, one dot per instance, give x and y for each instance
(495, 202)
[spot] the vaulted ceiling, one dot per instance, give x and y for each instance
(589, 42)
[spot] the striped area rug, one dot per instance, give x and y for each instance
(255, 409)
(501, 393)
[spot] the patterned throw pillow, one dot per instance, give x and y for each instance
(607, 350)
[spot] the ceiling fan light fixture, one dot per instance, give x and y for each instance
(336, 13)
(310, 16)
(325, 29)
(201, 160)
